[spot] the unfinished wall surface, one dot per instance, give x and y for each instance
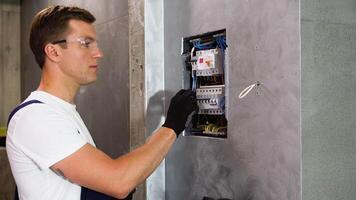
(328, 99)
(7, 189)
(137, 81)
(30, 72)
(260, 159)
(104, 105)
(10, 85)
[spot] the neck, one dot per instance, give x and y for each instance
(54, 85)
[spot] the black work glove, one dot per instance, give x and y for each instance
(183, 105)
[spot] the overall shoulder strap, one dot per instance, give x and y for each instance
(20, 107)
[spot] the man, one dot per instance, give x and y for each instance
(51, 152)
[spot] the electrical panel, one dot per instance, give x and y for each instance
(204, 63)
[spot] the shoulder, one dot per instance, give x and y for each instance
(36, 115)
(33, 111)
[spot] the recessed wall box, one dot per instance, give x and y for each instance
(205, 64)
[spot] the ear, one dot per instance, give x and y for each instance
(53, 52)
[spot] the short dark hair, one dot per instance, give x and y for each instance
(51, 24)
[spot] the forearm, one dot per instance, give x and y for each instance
(137, 165)
(92, 168)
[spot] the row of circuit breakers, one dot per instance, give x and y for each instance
(204, 60)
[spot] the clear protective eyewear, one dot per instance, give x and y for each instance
(88, 43)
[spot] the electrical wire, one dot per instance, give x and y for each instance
(248, 89)
(192, 53)
(212, 128)
(194, 81)
(199, 46)
(221, 42)
(222, 103)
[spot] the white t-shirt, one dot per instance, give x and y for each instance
(39, 135)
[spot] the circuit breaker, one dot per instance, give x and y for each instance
(204, 63)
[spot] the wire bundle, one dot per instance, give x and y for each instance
(221, 42)
(212, 128)
(196, 44)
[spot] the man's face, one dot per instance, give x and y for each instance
(79, 61)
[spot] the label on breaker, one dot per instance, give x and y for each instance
(208, 59)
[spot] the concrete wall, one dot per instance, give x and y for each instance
(137, 81)
(7, 189)
(260, 160)
(10, 89)
(328, 99)
(9, 57)
(10, 84)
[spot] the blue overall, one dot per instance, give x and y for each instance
(86, 193)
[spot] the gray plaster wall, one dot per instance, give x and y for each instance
(104, 105)
(260, 159)
(328, 99)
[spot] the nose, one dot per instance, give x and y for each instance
(98, 53)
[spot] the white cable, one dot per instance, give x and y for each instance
(191, 53)
(248, 89)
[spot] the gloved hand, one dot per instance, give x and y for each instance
(182, 106)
